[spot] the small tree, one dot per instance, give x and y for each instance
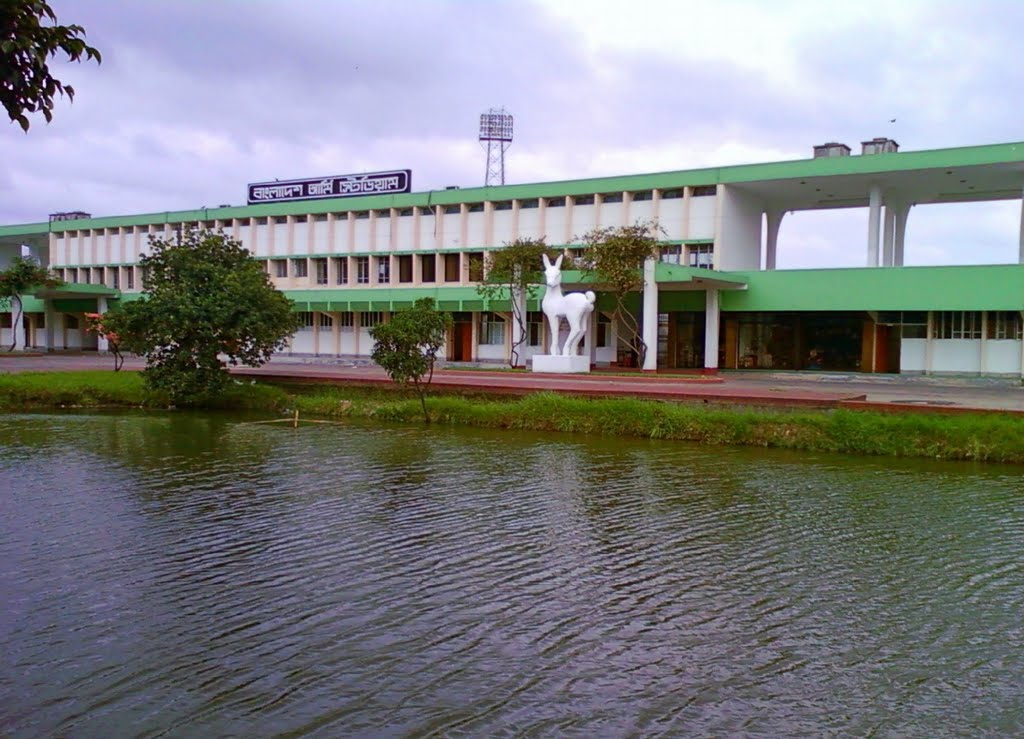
(615, 258)
(203, 298)
(26, 45)
(406, 347)
(514, 271)
(20, 277)
(104, 325)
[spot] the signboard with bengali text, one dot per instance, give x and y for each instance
(343, 186)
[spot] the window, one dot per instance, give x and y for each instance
(71, 321)
(320, 217)
(300, 267)
(672, 253)
(281, 219)
(369, 319)
(326, 322)
(534, 328)
(362, 215)
(503, 205)
(340, 270)
(405, 212)
(584, 200)
(280, 267)
(426, 211)
(451, 267)
(5, 320)
(612, 197)
(72, 274)
(529, 203)
(701, 255)
(643, 195)
(452, 209)
(555, 202)
(672, 194)
(492, 329)
(321, 270)
(1003, 325)
(405, 267)
(115, 278)
(476, 207)
(305, 321)
(958, 325)
(703, 191)
(383, 270)
(428, 268)
(347, 321)
(129, 278)
(363, 270)
(604, 331)
(476, 266)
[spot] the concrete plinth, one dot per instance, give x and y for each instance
(560, 364)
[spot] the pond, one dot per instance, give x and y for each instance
(197, 575)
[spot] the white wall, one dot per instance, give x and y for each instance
(529, 224)
(302, 342)
(702, 217)
(671, 217)
(1002, 356)
(912, 355)
(405, 232)
(503, 227)
(956, 355)
(475, 228)
(556, 224)
(642, 210)
(738, 245)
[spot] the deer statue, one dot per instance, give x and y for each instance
(576, 307)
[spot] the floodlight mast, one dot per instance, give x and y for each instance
(495, 137)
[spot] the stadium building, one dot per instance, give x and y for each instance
(351, 250)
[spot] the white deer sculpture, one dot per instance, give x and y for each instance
(576, 307)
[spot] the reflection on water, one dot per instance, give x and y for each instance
(193, 576)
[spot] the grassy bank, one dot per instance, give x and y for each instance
(982, 437)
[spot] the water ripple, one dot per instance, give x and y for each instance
(190, 575)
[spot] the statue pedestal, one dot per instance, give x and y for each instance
(560, 364)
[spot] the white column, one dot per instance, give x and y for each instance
(888, 235)
(874, 221)
(101, 341)
(901, 231)
(50, 316)
(983, 345)
(1021, 259)
(649, 329)
(712, 316)
(519, 298)
(929, 343)
(771, 243)
(18, 323)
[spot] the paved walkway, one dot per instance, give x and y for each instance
(823, 390)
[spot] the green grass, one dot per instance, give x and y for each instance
(979, 437)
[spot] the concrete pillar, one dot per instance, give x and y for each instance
(874, 221)
(771, 243)
(900, 224)
(712, 316)
(102, 345)
(18, 323)
(1021, 257)
(888, 234)
(50, 316)
(518, 331)
(649, 327)
(983, 344)
(929, 341)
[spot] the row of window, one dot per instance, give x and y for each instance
(553, 202)
(974, 324)
(119, 278)
(701, 256)
(490, 329)
(363, 267)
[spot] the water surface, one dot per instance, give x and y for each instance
(192, 575)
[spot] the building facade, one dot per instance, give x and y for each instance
(714, 299)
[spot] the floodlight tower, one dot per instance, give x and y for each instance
(495, 137)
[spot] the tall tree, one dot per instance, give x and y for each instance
(406, 347)
(204, 298)
(20, 277)
(514, 273)
(29, 39)
(614, 258)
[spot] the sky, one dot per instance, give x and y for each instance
(195, 99)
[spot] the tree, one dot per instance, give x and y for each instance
(406, 347)
(106, 326)
(514, 273)
(26, 45)
(203, 297)
(19, 278)
(615, 258)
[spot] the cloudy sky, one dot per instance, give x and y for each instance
(196, 99)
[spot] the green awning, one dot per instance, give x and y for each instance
(74, 305)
